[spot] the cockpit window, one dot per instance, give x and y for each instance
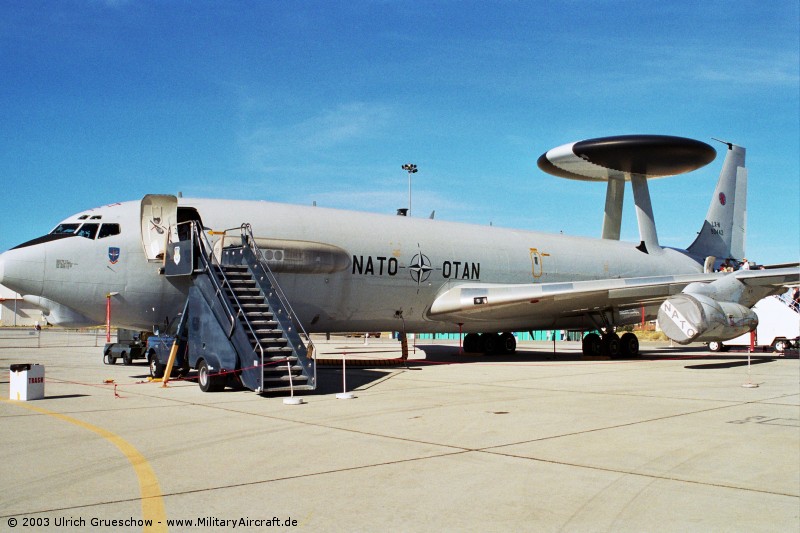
(88, 231)
(107, 230)
(65, 229)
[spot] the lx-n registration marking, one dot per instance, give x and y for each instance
(419, 268)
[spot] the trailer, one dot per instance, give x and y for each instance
(778, 327)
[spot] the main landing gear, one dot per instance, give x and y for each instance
(611, 345)
(490, 343)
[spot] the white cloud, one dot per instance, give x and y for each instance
(273, 147)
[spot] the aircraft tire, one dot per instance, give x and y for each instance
(611, 345)
(156, 368)
(207, 381)
(592, 344)
(508, 343)
(472, 343)
(716, 346)
(629, 343)
(490, 343)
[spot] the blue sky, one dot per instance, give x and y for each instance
(103, 101)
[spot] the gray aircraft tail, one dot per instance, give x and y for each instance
(723, 232)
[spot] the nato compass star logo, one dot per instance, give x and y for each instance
(420, 268)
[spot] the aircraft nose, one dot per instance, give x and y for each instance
(22, 270)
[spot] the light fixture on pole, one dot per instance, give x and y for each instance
(411, 168)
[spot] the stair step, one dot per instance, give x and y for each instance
(281, 358)
(266, 331)
(268, 340)
(281, 369)
(285, 379)
(254, 314)
(286, 388)
(266, 323)
(278, 349)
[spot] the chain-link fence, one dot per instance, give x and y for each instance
(50, 337)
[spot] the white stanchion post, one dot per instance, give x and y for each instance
(749, 384)
(344, 395)
(291, 400)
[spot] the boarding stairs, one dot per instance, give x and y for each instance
(240, 315)
(786, 299)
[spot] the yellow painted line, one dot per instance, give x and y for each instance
(149, 489)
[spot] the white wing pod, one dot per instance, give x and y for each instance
(689, 318)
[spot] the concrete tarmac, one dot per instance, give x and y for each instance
(532, 442)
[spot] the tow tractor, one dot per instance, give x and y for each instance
(129, 346)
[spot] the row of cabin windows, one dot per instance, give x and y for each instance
(88, 230)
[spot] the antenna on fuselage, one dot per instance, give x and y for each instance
(726, 143)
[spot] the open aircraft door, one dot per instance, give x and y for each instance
(159, 216)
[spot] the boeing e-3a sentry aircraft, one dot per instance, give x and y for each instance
(328, 270)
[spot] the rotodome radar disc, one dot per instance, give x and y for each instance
(619, 157)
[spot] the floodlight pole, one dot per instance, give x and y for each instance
(108, 315)
(411, 168)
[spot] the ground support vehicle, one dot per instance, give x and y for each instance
(778, 328)
(159, 347)
(129, 346)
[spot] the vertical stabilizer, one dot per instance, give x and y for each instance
(723, 231)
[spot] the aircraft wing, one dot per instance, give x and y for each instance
(475, 301)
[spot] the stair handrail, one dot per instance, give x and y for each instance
(203, 246)
(787, 300)
(207, 255)
(249, 240)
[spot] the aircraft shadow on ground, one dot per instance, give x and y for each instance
(329, 377)
(730, 364)
(450, 354)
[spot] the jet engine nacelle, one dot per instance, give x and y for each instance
(689, 318)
